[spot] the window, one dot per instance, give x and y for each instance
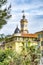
(25, 25)
(39, 36)
(18, 38)
(15, 38)
(42, 52)
(22, 25)
(42, 35)
(9, 47)
(42, 43)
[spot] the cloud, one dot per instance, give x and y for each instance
(39, 17)
(33, 12)
(27, 1)
(32, 9)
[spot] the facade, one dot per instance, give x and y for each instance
(22, 37)
(40, 36)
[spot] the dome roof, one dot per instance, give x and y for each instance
(17, 30)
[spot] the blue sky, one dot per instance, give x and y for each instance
(33, 12)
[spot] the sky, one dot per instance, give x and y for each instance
(33, 10)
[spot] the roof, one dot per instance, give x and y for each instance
(29, 35)
(17, 30)
(39, 32)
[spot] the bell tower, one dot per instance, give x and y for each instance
(24, 23)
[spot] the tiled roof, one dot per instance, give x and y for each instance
(39, 32)
(29, 35)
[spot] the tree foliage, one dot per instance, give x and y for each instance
(28, 56)
(4, 13)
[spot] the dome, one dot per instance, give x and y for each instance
(17, 30)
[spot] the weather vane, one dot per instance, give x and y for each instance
(23, 14)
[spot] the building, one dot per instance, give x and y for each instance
(40, 36)
(22, 37)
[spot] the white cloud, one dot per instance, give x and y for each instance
(31, 10)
